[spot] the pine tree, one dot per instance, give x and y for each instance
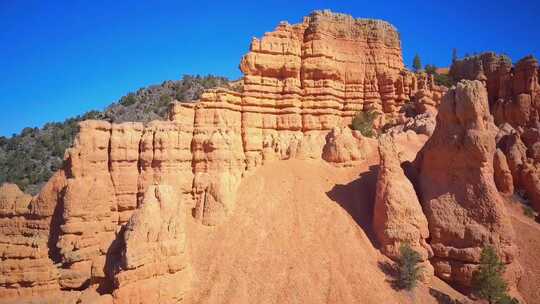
(454, 55)
(409, 270)
(487, 281)
(417, 64)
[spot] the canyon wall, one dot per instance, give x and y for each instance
(98, 223)
(514, 99)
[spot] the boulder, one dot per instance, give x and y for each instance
(345, 146)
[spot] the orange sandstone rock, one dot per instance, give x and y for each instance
(300, 82)
(502, 175)
(398, 217)
(455, 182)
(153, 264)
(344, 145)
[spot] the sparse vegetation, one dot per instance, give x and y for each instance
(128, 100)
(417, 63)
(409, 270)
(528, 211)
(488, 282)
(440, 79)
(363, 122)
(30, 158)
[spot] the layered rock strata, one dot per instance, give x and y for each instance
(300, 82)
(465, 211)
(27, 242)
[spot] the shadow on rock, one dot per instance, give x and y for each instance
(358, 199)
(443, 298)
(391, 272)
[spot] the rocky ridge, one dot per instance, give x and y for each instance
(112, 220)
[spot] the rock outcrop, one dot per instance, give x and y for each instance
(153, 266)
(300, 82)
(27, 247)
(465, 211)
(514, 98)
(346, 146)
(502, 174)
(398, 218)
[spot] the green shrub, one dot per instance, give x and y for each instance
(363, 122)
(417, 63)
(409, 270)
(487, 280)
(529, 212)
(430, 69)
(444, 80)
(164, 99)
(128, 100)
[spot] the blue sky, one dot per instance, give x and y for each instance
(63, 58)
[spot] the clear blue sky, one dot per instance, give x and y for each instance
(63, 58)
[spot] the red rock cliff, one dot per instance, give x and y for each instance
(300, 83)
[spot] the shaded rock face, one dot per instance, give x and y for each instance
(398, 217)
(27, 265)
(502, 174)
(300, 82)
(465, 211)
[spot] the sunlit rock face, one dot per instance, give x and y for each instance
(514, 99)
(456, 186)
(302, 86)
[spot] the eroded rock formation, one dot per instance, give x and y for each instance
(398, 218)
(346, 146)
(86, 228)
(153, 266)
(514, 97)
(502, 174)
(457, 190)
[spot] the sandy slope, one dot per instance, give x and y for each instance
(527, 233)
(299, 234)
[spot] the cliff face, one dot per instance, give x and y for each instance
(333, 66)
(300, 83)
(514, 98)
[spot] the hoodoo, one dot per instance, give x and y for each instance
(456, 185)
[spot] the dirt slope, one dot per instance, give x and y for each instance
(527, 233)
(298, 235)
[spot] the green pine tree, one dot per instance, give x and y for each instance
(454, 55)
(417, 63)
(488, 282)
(409, 270)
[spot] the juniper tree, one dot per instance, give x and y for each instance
(417, 64)
(409, 270)
(487, 280)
